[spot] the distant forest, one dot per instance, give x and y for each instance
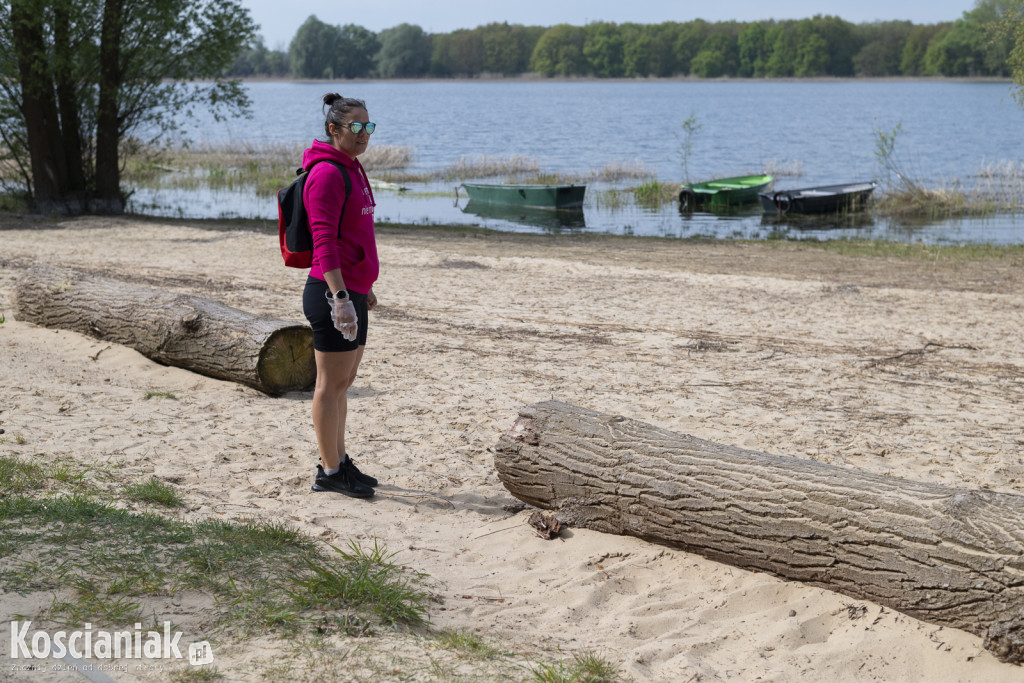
(820, 46)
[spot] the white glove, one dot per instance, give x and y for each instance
(343, 315)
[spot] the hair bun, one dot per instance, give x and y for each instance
(336, 108)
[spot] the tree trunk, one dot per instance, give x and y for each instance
(204, 336)
(108, 125)
(67, 102)
(39, 107)
(948, 556)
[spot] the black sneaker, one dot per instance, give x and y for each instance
(340, 482)
(356, 474)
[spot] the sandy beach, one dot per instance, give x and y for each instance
(906, 367)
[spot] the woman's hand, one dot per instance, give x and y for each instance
(343, 313)
(371, 300)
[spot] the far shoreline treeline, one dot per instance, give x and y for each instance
(822, 46)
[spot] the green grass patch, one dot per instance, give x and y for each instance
(159, 394)
(654, 193)
(467, 643)
(593, 668)
(95, 602)
(651, 194)
(17, 476)
(66, 533)
(154, 491)
(363, 578)
(108, 565)
(584, 668)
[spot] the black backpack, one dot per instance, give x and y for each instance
(293, 221)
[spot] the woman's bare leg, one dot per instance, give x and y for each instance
(335, 373)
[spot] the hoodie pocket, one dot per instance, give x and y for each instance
(352, 254)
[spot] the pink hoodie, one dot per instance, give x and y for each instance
(355, 252)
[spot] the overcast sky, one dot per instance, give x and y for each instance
(280, 19)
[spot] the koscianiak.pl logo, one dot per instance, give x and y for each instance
(101, 644)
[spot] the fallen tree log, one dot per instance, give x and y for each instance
(191, 332)
(947, 556)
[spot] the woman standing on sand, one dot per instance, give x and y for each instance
(339, 290)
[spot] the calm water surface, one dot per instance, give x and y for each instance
(951, 131)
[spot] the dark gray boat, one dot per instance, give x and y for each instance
(817, 200)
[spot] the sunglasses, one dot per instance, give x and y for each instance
(357, 127)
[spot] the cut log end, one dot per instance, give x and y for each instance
(185, 331)
(287, 362)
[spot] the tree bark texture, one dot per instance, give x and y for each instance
(947, 556)
(204, 336)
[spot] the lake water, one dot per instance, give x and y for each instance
(950, 133)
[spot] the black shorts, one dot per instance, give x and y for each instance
(318, 312)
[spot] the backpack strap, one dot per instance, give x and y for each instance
(348, 186)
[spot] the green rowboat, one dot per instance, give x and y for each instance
(536, 196)
(723, 192)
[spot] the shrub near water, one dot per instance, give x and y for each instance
(246, 166)
(487, 167)
(654, 193)
(943, 203)
(265, 169)
(989, 195)
(999, 187)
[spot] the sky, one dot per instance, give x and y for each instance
(280, 19)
